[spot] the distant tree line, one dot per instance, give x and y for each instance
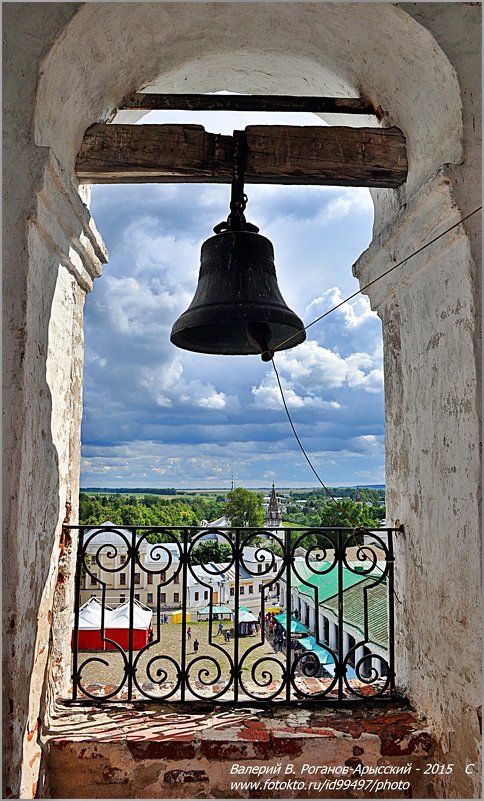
(374, 495)
(148, 510)
(242, 507)
(133, 490)
(325, 512)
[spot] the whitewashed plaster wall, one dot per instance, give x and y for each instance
(419, 62)
(51, 254)
(431, 317)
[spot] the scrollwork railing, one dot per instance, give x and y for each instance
(288, 615)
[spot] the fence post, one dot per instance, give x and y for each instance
(77, 598)
(339, 557)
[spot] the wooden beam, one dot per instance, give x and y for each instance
(327, 155)
(316, 105)
(113, 154)
(276, 154)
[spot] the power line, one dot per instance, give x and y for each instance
(378, 278)
(321, 317)
(326, 313)
(341, 508)
(358, 529)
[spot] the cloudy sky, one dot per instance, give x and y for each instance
(155, 415)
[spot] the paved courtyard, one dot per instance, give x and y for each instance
(208, 667)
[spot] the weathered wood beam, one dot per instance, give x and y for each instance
(276, 154)
(289, 103)
(154, 153)
(327, 155)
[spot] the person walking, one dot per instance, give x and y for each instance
(220, 628)
(196, 645)
(189, 633)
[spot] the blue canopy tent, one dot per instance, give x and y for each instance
(295, 626)
(324, 657)
(310, 644)
(350, 673)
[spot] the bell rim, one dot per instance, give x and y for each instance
(189, 337)
(231, 313)
(298, 338)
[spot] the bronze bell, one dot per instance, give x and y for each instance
(238, 307)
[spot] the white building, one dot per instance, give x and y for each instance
(158, 576)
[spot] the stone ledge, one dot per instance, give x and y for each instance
(155, 752)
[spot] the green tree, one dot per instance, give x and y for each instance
(244, 508)
(211, 552)
(346, 513)
(378, 512)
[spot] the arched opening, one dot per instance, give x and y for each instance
(192, 414)
(429, 314)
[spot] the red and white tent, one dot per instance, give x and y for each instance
(90, 614)
(116, 626)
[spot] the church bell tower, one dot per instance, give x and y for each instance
(273, 513)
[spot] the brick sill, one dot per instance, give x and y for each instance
(157, 752)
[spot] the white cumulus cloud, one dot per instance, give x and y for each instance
(353, 312)
(268, 396)
(347, 201)
(317, 367)
(214, 400)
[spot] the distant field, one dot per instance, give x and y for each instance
(151, 491)
(206, 491)
(127, 493)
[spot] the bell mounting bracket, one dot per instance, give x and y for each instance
(238, 199)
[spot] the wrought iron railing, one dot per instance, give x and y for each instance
(293, 629)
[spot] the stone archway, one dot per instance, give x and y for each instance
(416, 74)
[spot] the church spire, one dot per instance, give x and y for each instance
(273, 514)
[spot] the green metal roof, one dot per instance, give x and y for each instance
(353, 609)
(326, 583)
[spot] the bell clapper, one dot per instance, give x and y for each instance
(259, 335)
